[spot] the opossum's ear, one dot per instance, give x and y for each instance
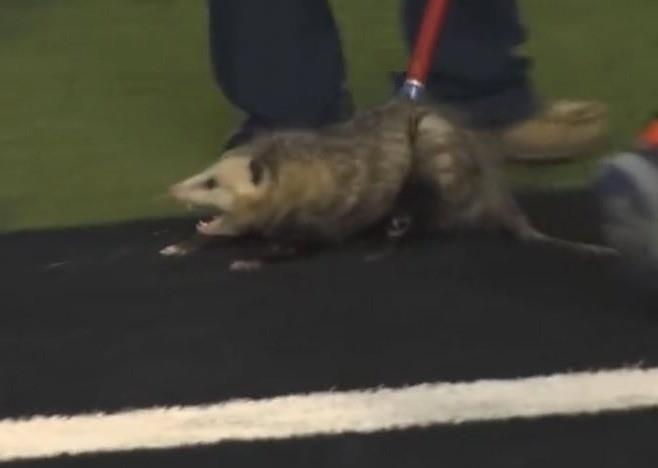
(257, 171)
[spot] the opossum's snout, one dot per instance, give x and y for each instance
(197, 185)
(203, 191)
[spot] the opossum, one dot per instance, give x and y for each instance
(306, 189)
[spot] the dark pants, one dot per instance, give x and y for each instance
(281, 60)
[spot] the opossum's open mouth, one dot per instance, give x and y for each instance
(210, 218)
(206, 214)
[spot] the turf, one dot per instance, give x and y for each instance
(102, 104)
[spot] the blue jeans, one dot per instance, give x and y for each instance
(281, 60)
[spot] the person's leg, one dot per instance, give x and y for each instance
(278, 61)
(476, 70)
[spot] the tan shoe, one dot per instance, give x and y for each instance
(562, 130)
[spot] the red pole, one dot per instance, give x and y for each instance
(649, 135)
(425, 44)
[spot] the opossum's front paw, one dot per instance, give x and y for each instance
(246, 265)
(174, 250)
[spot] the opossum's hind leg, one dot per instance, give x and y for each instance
(397, 229)
(414, 211)
(515, 222)
(273, 253)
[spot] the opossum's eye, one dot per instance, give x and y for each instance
(257, 171)
(210, 183)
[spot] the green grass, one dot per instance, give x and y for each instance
(103, 104)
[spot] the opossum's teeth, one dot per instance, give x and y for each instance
(207, 227)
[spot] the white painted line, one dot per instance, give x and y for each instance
(362, 411)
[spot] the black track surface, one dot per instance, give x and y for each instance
(95, 319)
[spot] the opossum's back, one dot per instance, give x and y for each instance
(366, 162)
(366, 184)
(372, 157)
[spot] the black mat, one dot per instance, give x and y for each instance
(96, 319)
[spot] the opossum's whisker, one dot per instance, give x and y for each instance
(161, 197)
